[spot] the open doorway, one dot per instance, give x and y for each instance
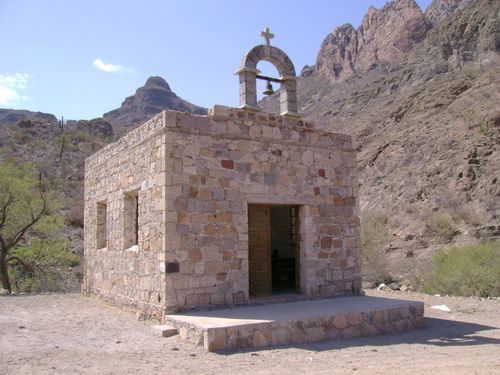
(283, 243)
(273, 250)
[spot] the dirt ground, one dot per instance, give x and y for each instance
(73, 334)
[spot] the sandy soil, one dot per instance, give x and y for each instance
(73, 334)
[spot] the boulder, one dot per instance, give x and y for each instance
(382, 287)
(394, 286)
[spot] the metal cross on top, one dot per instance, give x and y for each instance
(267, 35)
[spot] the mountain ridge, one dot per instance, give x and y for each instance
(150, 99)
(13, 116)
(385, 36)
(426, 129)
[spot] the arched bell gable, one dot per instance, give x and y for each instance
(248, 78)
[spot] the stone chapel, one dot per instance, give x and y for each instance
(237, 207)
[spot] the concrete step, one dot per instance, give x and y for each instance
(297, 322)
(165, 330)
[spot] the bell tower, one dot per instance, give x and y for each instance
(248, 75)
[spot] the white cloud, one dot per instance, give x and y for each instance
(111, 68)
(10, 87)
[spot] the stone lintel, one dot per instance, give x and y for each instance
(250, 107)
(245, 69)
(289, 78)
(291, 114)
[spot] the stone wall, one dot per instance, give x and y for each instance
(133, 166)
(219, 164)
(194, 177)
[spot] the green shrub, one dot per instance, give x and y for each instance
(32, 248)
(483, 127)
(44, 264)
(472, 270)
(413, 271)
(374, 235)
(439, 225)
(80, 136)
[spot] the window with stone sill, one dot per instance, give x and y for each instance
(131, 220)
(101, 225)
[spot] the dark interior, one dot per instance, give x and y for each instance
(283, 243)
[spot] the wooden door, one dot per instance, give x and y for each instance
(259, 245)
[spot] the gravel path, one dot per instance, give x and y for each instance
(73, 334)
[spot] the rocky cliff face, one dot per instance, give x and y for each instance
(385, 36)
(441, 9)
(427, 129)
(149, 100)
(466, 34)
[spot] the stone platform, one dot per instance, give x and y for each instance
(297, 322)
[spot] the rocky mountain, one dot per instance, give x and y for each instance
(384, 36)
(13, 116)
(442, 9)
(149, 100)
(424, 116)
(96, 126)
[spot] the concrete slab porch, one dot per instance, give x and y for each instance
(297, 322)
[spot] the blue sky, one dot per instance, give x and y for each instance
(79, 59)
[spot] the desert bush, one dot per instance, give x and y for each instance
(80, 136)
(373, 242)
(483, 127)
(20, 135)
(43, 265)
(413, 271)
(439, 226)
(472, 270)
(61, 145)
(470, 215)
(74, 214)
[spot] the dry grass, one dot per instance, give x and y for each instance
(439, 225)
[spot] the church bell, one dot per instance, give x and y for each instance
(269, 89)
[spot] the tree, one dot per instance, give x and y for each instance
(28, 221)
(374, 235)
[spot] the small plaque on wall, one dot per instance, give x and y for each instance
(171, 267)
